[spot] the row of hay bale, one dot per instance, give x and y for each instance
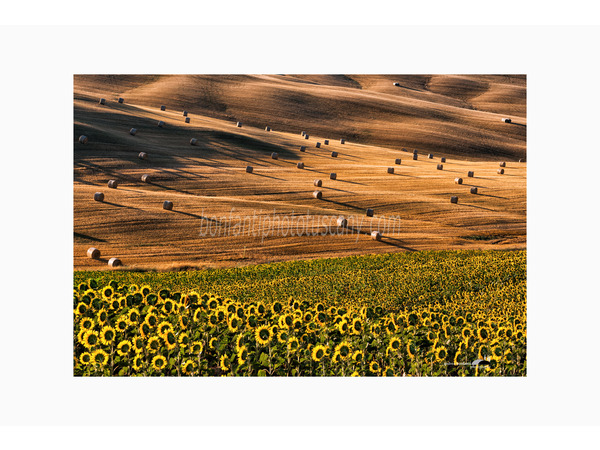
(94, 253)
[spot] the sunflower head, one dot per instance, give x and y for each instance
(138, 344)
(188, 367)
(357, 326)
(262, 335)
(242, 355)
(100, 357)
(196, 347)
(170, 339)
(395, 344)
(343, 349)
(183, 340)
(159, 362)
(441, 353)
(318, 352)
(293, 344)
(108, 335)
(411, 349)
(107, 292)
(85, 358)
(357, 356)
(282, 336)
(374, 367)
(87, 323)
(124, 348)
(153, 344)
(224, 363)
(121, 324)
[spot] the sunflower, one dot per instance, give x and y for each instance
(220, 315)
(196, 347)
(85, 358)
(100, 357)
(293, 344)
(441, 353)
(260, 308)
(411, 349)
(262, 335)
(508, 333)
(188, 367)
(321, 317)
(357, 356)
(145, 290)
(153, 344)
(466, 333)
(183, 340)
(276, 307)
(114, 303)
(355, 374)
(121, 324)
(343, 349)
(233, 323)
(223, 363)
(81, 308)
(318, 352)
(357, 326)
(374, 367)
(159, 362)
(432, 336)
(242, 355)
(80, 335)
(102, 316)
(124, 348)
(213, 304)
(145, 329)
(164, 327)
(394, 344)
(483, 334)
(308, 316)
(212, 342)
(484, 352)
(336, 358)
(283, 321)
(457, 357)
(133, 316)
(343, 326)
(282, 336)
(297, 324)
(460, 321)
(170, 339)
(107, 292)
(388, 372)
(87, 323)
(107, 335)
(138, 344)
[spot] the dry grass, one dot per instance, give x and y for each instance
(456, 117)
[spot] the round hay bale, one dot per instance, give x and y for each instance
(440, 167)
(121, 100)
(415, 151)
(470, 174)
(168, 205)
(430, 156)
(83, 139)
(114, 262)
(333, 176)
(267, 128)
(99, 196)
(143, 155)
(326, 142)
(318, 145)
(398, 161)
(163, 108)
(342, 222)
(93, 253)
(443, 160)
(342, 141)
(501, 171)
(300, 165)
(249, 169)
(521, 160)
(370, 212)
(334, 154)
(102, 101)
(318, 183)
(132, 131)
(318, 195)
(113, 184)
(306, 136)
(503, 164)
(506, 120)
(185, 114)
(161, 124)
(396, 84)
(146, 178)
(302, 133)
(239, 125)
(302, 148)
(458, 180)
(275, 155)
(390, 170)
(415, 156)
(454, 199)
(187, 120)
(193, 141)
(376, 235)
(473, 190)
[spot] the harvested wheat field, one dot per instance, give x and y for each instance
(223, 215)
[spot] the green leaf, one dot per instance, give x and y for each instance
(262, 372)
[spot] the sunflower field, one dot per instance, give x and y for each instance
(126, 329)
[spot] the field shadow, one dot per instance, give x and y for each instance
(479, 207)
(196, 216)
(87, 237)
(267, 176)
(347, 205)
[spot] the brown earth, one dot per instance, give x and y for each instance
(457, 117)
